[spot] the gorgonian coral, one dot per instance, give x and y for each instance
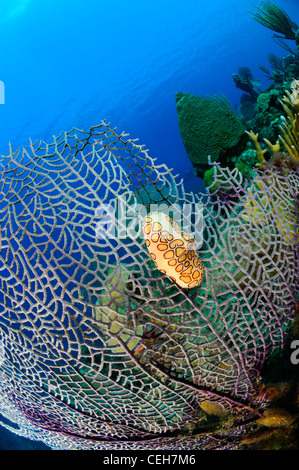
(275, 18)
(99, 348)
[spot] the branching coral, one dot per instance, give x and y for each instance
(289, 136)
(290, 127)
(259, 152)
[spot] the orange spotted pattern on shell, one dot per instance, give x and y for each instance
(171, 250)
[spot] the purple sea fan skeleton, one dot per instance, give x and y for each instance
(99, 349)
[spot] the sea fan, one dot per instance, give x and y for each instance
(101, 350)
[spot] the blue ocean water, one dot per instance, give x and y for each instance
(68, 63)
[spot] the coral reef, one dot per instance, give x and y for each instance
(247, 108)
(244, 80)
(261, 111)
(263, 114)
(289, 133)
(207, 128)
(101, 346)
(272, 118)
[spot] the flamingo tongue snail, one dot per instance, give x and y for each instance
(172, 250)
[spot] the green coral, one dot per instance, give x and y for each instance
(266, 100)
(246, 163)
(207, 128)
(263, 102)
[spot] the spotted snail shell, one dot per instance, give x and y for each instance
(171, 250)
